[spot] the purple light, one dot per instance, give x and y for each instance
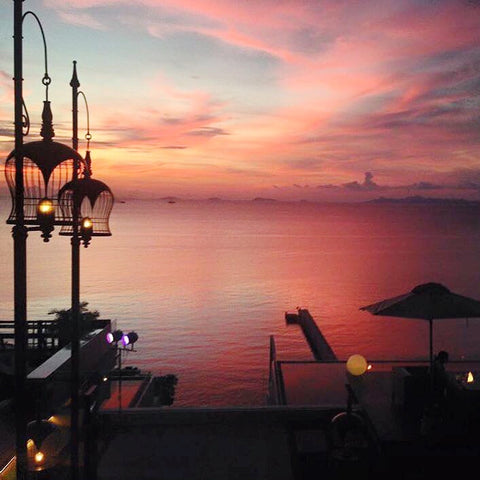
(125, 340)
(109, 337)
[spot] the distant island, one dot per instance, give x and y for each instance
(261, 199)
(418, 199)
(170, 199)
(410, 200)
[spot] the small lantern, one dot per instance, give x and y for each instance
(45, 217)
(38, 430)
(86, 230)
(47, 166)
(94, 201)
(43, 446)
(39, 458)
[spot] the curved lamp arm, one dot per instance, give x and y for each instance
(46, 80)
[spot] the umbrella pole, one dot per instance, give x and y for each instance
(431, 359)
(431, 343)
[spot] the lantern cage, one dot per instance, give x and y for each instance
(44, 445)
(94, 200)
(47, 166)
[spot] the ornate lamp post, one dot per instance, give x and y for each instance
(86, 201)
(88, 204)
(34, 171)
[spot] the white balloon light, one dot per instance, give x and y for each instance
(357, 365)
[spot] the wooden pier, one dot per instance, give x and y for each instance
(319, 346)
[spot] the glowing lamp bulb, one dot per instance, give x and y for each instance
(357, 365)
(125, 340)
(87, 223)
(470, 378)
(109, 337)
(39, 457)
(45, 206)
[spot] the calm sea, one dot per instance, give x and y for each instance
(205, 284)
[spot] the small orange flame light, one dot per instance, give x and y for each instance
(87, 223)
(45, 206)
(46, 217)
(470, 378)
(86, 230)
(39, 457)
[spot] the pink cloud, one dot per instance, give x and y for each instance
(81, 19)
(276, 27)
(431, 28)
(369, 86)
(185, 119)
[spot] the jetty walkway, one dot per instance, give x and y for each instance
(318, 344)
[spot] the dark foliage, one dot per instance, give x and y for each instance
(64, 319)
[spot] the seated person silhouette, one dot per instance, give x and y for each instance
(440, 377)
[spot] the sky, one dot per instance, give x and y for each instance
(325, 100)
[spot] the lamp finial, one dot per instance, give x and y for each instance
(88, 165)
(74, 83)
(47, 131)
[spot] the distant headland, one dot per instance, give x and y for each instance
(262, 199)
(410, 200)
(418, 199)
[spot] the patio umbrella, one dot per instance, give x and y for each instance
(429, 301)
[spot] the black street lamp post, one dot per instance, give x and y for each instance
(42, 176)
(34, 171)
(88, 203)
(20, 255)
(75, 280)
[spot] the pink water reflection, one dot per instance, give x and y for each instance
(204, 284)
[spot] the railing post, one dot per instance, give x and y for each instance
(272, 387)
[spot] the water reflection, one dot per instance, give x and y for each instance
(205, 283)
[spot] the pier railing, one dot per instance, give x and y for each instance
(275, 383)
(41, 334)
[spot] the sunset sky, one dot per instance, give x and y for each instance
(286, 99)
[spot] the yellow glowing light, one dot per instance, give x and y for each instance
(87, 223)
(357, 365)
(39, 457)
(369, 366)
(470, 377)
(45, 206)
